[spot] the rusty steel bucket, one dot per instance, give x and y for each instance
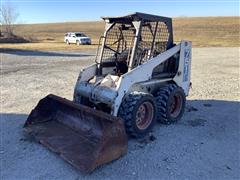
(84, 137)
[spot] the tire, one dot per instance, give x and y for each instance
(138, 110)
(171, 102)
(78, 43)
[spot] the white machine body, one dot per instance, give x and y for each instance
(110, 89)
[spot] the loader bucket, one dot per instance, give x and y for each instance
(84, 137)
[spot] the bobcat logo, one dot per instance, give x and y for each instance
(187, 54)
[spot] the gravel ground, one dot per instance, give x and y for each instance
(205, 144)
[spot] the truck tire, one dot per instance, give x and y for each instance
(138, 110)
(171, 102)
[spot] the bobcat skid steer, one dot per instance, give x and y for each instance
(140, 76)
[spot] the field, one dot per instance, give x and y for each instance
(203, 145)
(202, 31)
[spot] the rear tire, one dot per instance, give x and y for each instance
(138, 110)
(171, 101)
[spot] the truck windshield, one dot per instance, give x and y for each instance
(80, 35)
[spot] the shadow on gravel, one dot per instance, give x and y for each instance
(23, 52)
(212, 108)
(217, 109)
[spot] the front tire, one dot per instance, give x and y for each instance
(171, 101)
(138, 110)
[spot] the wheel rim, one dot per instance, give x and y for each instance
(144, 115)
(176, 105)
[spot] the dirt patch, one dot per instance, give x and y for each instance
(13, 39)
(207, 105)
(190, 108)
(197, 122)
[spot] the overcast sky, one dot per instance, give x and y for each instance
(41, 11)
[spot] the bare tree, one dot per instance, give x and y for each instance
(8, 16)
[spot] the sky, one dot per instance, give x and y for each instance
(43, 11)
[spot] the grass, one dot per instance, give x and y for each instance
(49, 46)
(208, 31)
(202, 31)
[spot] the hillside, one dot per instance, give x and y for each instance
(202, 31)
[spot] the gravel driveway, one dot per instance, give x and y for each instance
(205, 144)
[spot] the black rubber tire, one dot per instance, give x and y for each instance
(163, 99)
(128, 109)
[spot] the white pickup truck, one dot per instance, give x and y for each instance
(76, 38)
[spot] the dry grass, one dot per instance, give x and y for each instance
(208, 31)
(49, 46)
(202, 31)
(54, 32)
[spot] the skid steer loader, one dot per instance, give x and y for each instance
(139, 76)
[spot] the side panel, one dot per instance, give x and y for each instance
(140, 74)
(87, 73)
(149, 86)
(182, 77)
(71, 40)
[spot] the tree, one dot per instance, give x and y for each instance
(8, 16)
